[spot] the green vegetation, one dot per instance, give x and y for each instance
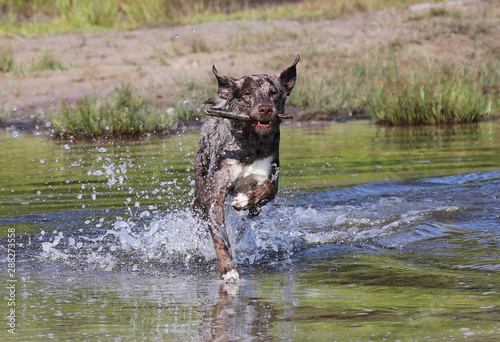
(6, 60)
(436, 95)
(123, 112)
(48, 62)
(379, 85)
(45, 62)
(46, 16)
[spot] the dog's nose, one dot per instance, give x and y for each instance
(265, 111)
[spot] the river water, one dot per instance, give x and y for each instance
(377, 234)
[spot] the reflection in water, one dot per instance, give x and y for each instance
(232, 318)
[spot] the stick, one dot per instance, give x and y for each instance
(225, 113)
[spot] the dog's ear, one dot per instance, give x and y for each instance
(215, 101)
(226, 84)
(289, 75)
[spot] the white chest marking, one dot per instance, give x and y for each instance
(259, 170)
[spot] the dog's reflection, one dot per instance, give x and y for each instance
(235, 317)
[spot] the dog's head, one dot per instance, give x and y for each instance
(262, 97)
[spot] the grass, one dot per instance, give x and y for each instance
(45, 16)
(439, 93)
(6, 60)
(124, 111)
(397, 90)
(434, 95)
(46, 62)
(344, 89)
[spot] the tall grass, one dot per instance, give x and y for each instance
(123, 112)
(437, 94)
(394, 94)
(434, 95)
(343, 89)
(47, 16)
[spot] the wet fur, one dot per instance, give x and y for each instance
(240, 158)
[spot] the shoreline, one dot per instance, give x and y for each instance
(345, 61)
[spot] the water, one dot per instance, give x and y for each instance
(376, 234)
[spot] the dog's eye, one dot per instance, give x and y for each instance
(273, 93)
(248, 92)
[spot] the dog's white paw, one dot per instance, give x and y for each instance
(232, 276)
(240, 201)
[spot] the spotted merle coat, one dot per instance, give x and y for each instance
(240, 158)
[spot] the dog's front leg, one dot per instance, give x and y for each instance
(217, 226)
(256, 196)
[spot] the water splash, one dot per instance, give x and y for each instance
(369, 216)
(179, 241)
(166, 241)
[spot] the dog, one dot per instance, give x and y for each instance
(240, 158)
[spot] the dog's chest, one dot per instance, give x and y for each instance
(248, 175)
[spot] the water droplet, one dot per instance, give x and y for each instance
(176, 36)
(67, 147)
(192, 30)
(42, 161)
(15, 134)
(14, 109)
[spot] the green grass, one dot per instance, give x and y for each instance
(45, 16)
(46, 62)
(440, 94)
(433, 95)
(6, 60)
(343, 89)
(124, 111)
(378, 84)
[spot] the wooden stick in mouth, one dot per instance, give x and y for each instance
(225, 113)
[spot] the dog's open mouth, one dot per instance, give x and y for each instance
(261, 125)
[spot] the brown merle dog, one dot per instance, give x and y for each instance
(240, 158)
